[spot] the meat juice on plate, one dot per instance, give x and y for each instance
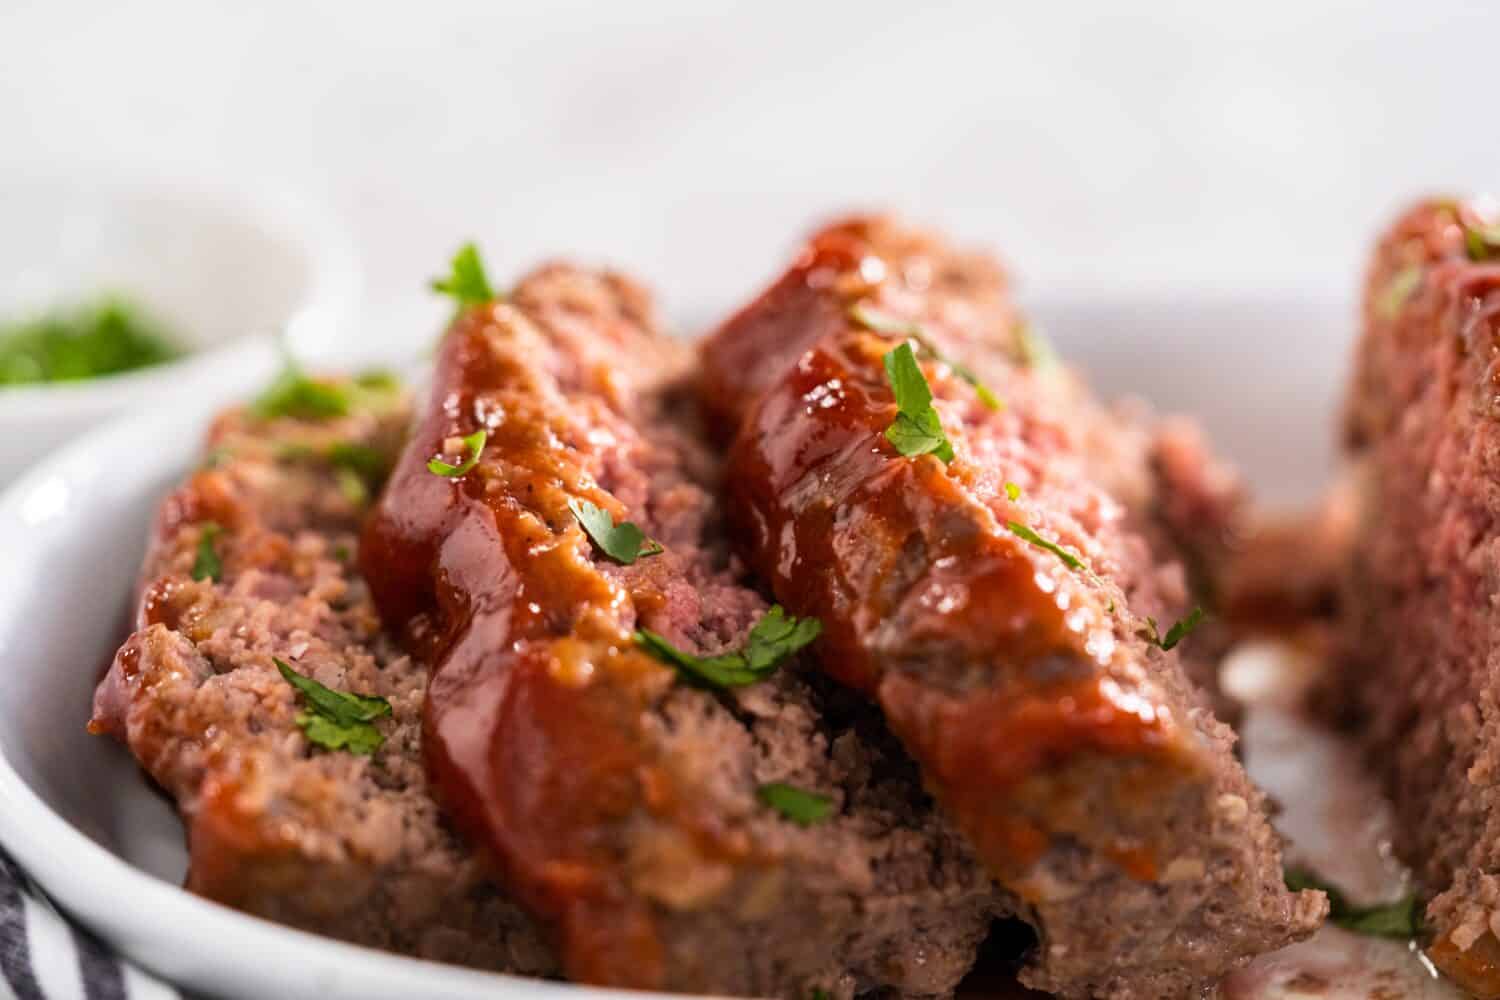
(1339, 825)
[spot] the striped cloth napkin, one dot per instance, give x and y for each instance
(43, 956)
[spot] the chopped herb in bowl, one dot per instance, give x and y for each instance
(83, 342)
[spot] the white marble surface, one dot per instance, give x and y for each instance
(1188, 144)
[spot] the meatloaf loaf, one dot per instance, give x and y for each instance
(993, 601)
(1421, 677)
(551, 542)
(252, 560)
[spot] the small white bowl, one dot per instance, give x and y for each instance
(229, 272)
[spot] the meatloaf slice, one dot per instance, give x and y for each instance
(1422, 673)
(994, 606)
(629, 807)
(252, 559)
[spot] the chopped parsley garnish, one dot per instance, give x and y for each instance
(378, 380)
(352, 485)
(206, 564)
(623, 542)
(216, 457)
(891, 326)
(466, 282)
(774, 638)
(1032, 349)
(1481, 241)
(801, 807)
(67, 345)
(293, 394)
(1175, 634)
(473, 447)
(1029, 534)
(369, 463)
(917, 429)
(1400, 288)
(1067, 558)
(819, 993)
(341, 552)
(337, 720)
(1400, 919)
(1013, 492)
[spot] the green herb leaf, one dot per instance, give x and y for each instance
(1013, 492)
(1176, 633)
(293, 394)
(337, 720)
(819, 993)
(917, 429)
(66, 345)
(801, 807)
(623, 542)
(1400, 919)
(1397, 291)
(216, 457)
(881, 322)
(206, 564)
(352, 486)
(893, 326)
(774, 638)
(378, 380)
(369, 463)
(466, 282)
(1068, 559)
(473, 445)
(1481, 241)
(1032, 349)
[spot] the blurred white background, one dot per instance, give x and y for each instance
(1173, 143)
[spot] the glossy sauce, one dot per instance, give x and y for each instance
(533, 714)
(991, 661)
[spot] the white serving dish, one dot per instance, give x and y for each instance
(230, 272)
(1260, 370)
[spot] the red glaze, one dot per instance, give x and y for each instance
(997, 666)
(533, 715)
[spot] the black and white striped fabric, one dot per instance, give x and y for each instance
(44, 957)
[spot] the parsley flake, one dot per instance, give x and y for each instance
(774, 638)
(801, 807)
(367, 462)
(1399, 919)
(337, 720)
(1067, 558)
(917, 429)
(378, 380)
(623, 542)
(1178, 632)
(1481, 241)
(466, 282)
(1400, 288)
(891, 326)
(293, 394)
(1029, 534)
(206, 562)
(473, 446)
(1033, 349)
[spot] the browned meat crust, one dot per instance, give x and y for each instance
(1420, 625)
(348, 846)
(619, 803)
(1082, 763)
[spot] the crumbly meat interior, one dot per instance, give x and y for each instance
(994, 605)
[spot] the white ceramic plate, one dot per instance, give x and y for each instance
(1261, 371)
